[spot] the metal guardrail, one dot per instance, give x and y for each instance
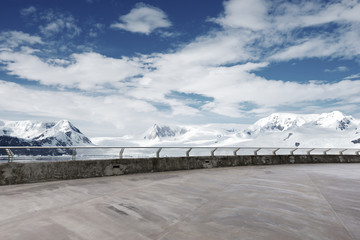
(235, 150)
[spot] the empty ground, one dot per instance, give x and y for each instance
(314, 201)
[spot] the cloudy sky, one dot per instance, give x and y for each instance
(117, 67)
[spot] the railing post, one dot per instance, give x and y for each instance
(235, 151)
(274, 152)
(256, 151)
(73, 154)
(188, 152)
(308, 152)
(10, 154)
(325, 152)
(158, 152)
(121, 153)
(342, 151)
(292, 151)
(213, 152)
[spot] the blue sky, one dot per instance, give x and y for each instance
(118, 67)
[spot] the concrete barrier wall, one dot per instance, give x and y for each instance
(18, 173)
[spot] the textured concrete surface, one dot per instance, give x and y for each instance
(314, 201)
(18, 173)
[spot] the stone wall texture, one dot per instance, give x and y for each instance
(31, 172)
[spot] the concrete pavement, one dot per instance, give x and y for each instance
(313, 201)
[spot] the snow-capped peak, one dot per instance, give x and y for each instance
(280, 122)
(61, 133)
(24, 129)
(63, 126)
(334, 119)
(157, 132)
(286, 121)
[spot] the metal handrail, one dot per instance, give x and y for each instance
(235, 150)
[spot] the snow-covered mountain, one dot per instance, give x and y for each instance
(35, 133)
(159, 132)
(332, 129)
(304, 130)
(286, 121)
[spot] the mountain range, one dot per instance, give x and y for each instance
(305, 130)
(332, 129)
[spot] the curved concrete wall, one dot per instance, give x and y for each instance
(17, 173)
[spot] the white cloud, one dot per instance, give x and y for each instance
(217, 66)
(13, 39)
(337, 69)
(250, 14)
(52, 22)
(59, 23)
(280, 28)
(27, 11)
(337, 45)
(143, 19)
(87, 71)
(229, 86)
(100, 111)
(315, 47)
(282, 15)
(354, 76)
(347, 11)
(233, 85)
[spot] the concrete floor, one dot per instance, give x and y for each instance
(255, 202)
